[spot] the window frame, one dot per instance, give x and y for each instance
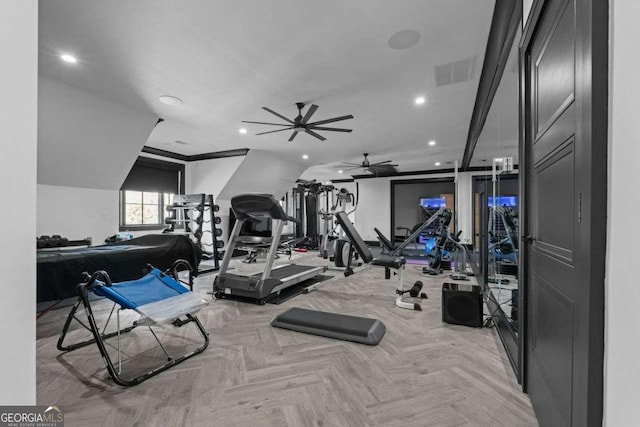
(159, 164)
(137, 227)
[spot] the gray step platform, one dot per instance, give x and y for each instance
(339, 326)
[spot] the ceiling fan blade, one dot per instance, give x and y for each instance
(293, 135)
(349, 164)
(279, 115)
(272, 131)
(265, 123)
(335, 119)
(310, 112)
(312, 133)
(381, 163)
(354, 167)
(331, 129)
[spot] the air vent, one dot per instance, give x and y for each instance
(454, 72)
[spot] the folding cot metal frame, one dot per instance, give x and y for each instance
(101, 278)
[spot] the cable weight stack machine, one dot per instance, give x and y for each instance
(197, 214)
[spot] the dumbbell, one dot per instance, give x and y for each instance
(218, 220)
(218, 232)
(43, 242)
(216, 208)
(415, 290)
(219, 244)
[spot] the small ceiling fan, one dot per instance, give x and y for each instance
(376, 168)
(301, 124)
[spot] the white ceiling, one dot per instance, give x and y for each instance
(226, 59)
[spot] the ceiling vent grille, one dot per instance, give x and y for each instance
(454, 72)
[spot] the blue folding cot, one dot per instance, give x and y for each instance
(160, 298)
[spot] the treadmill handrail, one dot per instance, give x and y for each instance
(257, 205)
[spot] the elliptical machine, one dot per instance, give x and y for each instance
(334, 245)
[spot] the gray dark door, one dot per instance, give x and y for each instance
(561, 363)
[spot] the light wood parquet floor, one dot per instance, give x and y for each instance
(423, 373)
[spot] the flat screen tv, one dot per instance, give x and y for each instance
(261, 227)
(433, 202)
(506, 201)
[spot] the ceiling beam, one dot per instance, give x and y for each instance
(195, 157)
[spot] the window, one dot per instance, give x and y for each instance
(147, 190)
(144, 208)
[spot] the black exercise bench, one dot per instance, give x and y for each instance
(389, 262)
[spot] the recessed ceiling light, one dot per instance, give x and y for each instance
(305, 156)
(68, 58)
(431, 143)
(340, 171)
(437, 163)
(498, 160)
(404, 39)
(170, 100)
(420, 100)
(242, 130)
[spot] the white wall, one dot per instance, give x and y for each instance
(261, 172)
(210, 176)
(85, 140)
(374, 207)
(526, 9)
(622, 292)
(76, 213)
(18, 135)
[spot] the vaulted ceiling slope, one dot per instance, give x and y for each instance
(227, 59)
(86, 140)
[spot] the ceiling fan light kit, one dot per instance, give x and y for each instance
(301, 123)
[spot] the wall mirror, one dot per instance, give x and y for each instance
(496, 205)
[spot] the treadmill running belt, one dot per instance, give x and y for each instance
(289, 270)
(339, 326)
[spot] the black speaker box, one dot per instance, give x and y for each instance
(462, 304)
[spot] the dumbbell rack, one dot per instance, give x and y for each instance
(196, 212)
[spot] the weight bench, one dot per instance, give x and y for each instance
(391, 249)
(389, 262)
(160, 298)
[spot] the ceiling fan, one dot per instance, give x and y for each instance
(376, 168)
(301, 124)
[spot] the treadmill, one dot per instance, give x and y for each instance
(258, 287)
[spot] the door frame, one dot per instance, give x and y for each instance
(394, 182)
(591, 88)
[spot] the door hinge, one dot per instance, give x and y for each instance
(579, 207)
